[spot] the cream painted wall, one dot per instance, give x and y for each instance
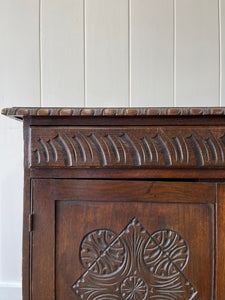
(98, 53)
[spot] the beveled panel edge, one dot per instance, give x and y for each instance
(20, 112)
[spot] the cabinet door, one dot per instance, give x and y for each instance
(122, 239)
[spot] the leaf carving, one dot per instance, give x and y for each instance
(106, 148)
(133, 265)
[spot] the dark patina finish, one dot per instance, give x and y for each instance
(123, 203)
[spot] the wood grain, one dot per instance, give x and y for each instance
(42, 277)
(106, 147)
(110, 193)
(157, 191)
(220, 246)
(113, 207)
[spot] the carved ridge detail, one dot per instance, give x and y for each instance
(133, 265)
(112, 112)
(151, 147)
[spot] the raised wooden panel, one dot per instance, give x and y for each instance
(62, 52)
(133, 264)
(197, 52)
(128, 147)
(151, 52)
(198, 272)
(106, 52)
(131, 214)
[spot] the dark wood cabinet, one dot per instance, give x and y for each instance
(123, 203)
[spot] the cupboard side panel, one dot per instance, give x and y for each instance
(26, 291)
(220, 257)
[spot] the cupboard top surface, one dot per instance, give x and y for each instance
(20, 112)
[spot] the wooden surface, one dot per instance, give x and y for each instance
(118, 177)
(156, 205)
(143, 146)
(112, 112)
(42, 282)
(220, 259)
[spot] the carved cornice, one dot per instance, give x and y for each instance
(20, 112)
(144, 146)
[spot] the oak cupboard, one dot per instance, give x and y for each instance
(123, 203)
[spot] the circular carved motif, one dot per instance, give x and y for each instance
(165, 253)
(95, 254)
(133, 288)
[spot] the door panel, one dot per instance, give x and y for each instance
(99, 239)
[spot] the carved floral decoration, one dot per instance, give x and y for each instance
(134, 265)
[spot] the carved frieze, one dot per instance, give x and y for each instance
(153, 147)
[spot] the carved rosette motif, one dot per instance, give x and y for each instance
(133, 265)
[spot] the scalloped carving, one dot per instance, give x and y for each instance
(134, 265)
(120, 147)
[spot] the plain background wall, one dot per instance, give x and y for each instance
(97, 53)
